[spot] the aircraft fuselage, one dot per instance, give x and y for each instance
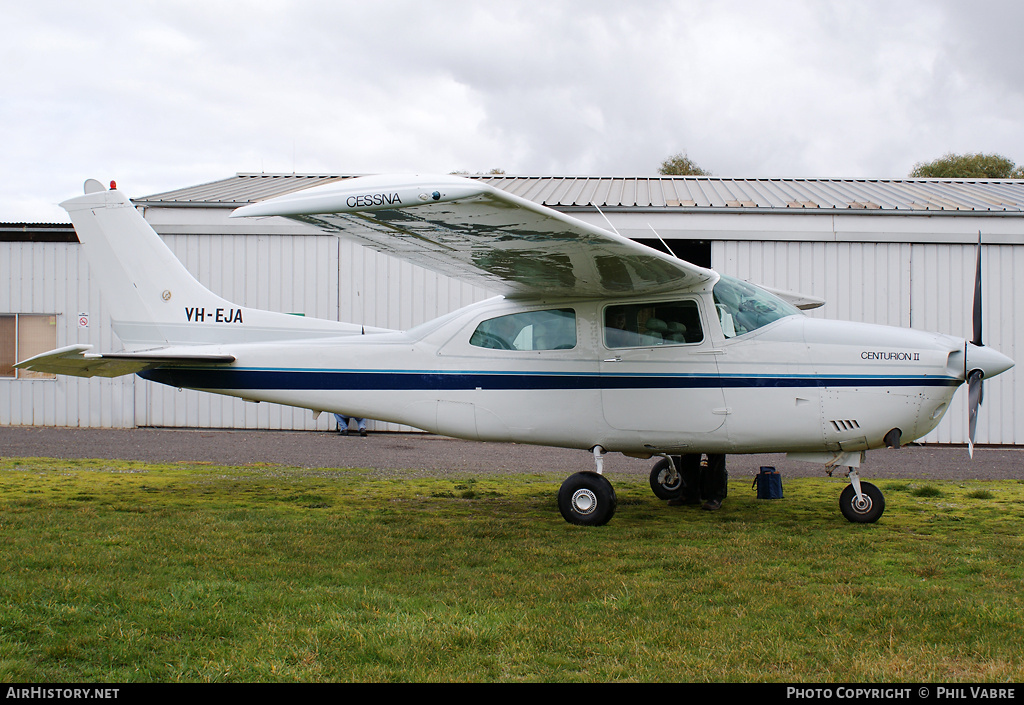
(796, 384)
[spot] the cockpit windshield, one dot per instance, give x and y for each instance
(743, 307)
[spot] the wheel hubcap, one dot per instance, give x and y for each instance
(862, 504)
(584, 501)
(666, 480)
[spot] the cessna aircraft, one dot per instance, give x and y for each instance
(595, 342)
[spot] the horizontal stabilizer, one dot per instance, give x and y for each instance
(75, 360)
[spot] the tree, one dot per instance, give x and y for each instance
(681, 165)
(463, 172)
(968, 166)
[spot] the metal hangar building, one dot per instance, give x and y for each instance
(895, 252)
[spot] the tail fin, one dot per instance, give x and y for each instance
(154, 301)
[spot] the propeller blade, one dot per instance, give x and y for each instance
(975, 394)
(975, 384)
(977, 296)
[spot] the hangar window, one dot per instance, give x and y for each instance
(642, 325)
(21, 337)
(743, 307)
(532, 330)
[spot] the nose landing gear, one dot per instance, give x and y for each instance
(861, 502)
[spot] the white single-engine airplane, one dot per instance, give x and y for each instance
(596, 342)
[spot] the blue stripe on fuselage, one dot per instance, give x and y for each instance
(398, 380)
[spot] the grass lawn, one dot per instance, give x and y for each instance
(127, 572)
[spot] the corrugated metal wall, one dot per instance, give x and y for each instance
(924, 286)
(51, 278)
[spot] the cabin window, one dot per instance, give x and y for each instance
(643, 325)
(22, 336)
(531, 330)
(743, 307)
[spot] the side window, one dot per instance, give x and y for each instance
(532, 330)
(642, 325)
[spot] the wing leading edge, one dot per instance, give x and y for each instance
(475, 232)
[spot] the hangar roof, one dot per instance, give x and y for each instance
(674, 193)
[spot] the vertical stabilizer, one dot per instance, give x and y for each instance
(153, 299)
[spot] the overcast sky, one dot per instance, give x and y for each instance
(167, 94)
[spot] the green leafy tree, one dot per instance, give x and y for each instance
(968, 166)
(681, 165)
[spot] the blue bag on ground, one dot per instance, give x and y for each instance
(768, 483)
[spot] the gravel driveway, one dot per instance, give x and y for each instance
(427, 454)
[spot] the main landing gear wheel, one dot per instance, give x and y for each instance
(666, 481)
(865, 510)
(587, 498)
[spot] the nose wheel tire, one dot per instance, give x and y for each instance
(865, 510)
(587, 498)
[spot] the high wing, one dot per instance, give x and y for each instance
(470, 230)
(76, 361)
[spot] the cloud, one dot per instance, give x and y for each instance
(166, 94)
